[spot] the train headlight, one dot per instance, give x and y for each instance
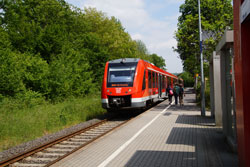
(107, 90)
(129, 90)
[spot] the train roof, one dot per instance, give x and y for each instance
(127, 60)
(131, 60)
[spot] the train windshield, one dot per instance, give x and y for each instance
(121, 74)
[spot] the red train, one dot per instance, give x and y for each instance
(133, 83)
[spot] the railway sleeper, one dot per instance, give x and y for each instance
(86, 136)
(59, 150)
(90, 133)
(83, 138)
(46, 154)
(103, 129)
(82, 141)
(111, 124)
(103, 126)
(67, 142)
(99, 130)
(93, 133)
(18, 164)
(65, 146)
(38, 160)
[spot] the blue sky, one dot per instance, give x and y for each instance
(153, 22)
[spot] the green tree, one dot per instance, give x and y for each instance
(216, 15)
(52, 48)
(37, 26)
(158, 61)
(188, 78)
(69, 75)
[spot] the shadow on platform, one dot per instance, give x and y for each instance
(209, 145)
(190, 101)
(195, 120)
(145, 158)
(209, 150)
(184, 108)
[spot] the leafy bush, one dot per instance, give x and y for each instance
(11, 72)
(29, 98)
(187, 78)
(207, 94)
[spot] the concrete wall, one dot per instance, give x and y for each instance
(217, 89)
(211, 79)
(225, 50)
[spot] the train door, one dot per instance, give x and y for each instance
(160, 85)
(150, 82)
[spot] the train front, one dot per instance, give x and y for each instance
(119, 83)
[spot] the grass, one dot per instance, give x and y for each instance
(21, 123)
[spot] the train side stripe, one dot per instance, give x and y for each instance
(136, 100)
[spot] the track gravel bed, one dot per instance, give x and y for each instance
(45, 139)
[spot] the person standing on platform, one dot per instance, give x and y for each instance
(176, 93)
(181, 93)
(170, 92)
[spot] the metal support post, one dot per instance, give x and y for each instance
(203, 109)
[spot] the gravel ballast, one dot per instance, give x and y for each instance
(43, 140)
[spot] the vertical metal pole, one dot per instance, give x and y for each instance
(203, 109)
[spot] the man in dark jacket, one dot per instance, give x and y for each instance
(181, 93)
(176, 93)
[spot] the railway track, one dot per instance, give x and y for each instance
(56, 150)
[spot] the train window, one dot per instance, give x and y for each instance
(156, 82)
(121, 75)
(153, 78)
(163, 82)
(169, 81)
(144, 81)
(175, 81)
(149, 79)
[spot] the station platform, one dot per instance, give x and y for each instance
(166, 135)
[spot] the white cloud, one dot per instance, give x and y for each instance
(174, 1)
(139, 22)
(130, 12)
(173, 17)
(137, 36)
(163, 45)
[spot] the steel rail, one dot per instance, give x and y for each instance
(99, 136)
(36, 149)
